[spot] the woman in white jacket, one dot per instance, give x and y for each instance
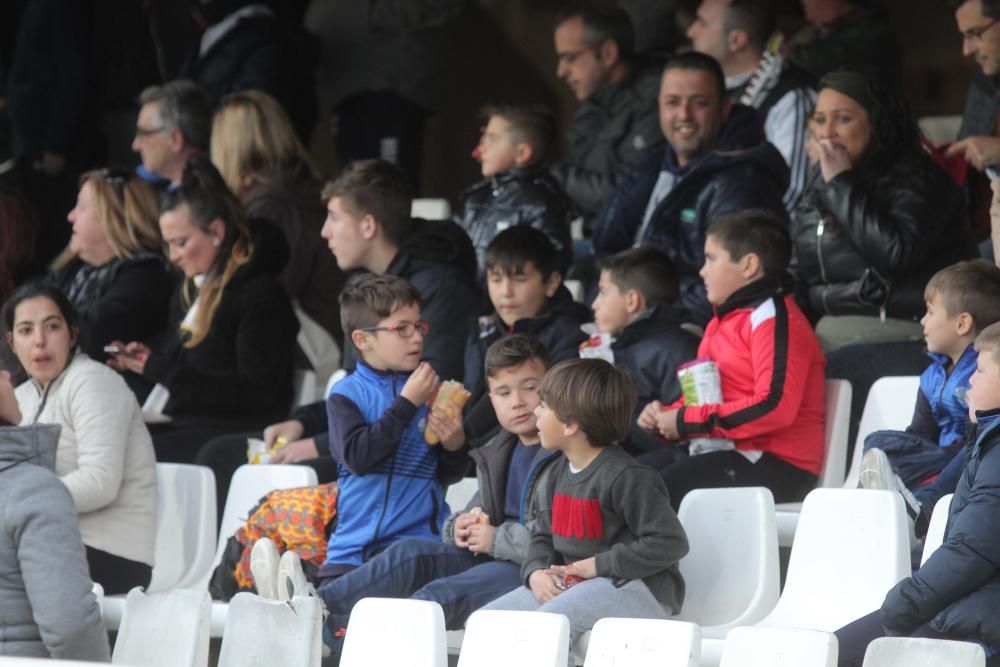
(105, 455)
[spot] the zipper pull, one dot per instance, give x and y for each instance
(821, 227)
(881, 314)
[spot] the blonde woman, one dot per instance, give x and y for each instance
(256, 150)
(114, 271)
(227, 358)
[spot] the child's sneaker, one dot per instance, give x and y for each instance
(291, 579)
(876, 473)
(264, 568)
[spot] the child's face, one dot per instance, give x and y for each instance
(497, 150)
(984, 385)
(551, 430)
(388, 350)
(721, 274)
(516, 296)
(514, 395)
(611, 311)
(347, 236)
(941, 331)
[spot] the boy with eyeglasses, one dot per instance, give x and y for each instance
(390, 479)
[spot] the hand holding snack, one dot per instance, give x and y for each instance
(420, 385)
(447, 405)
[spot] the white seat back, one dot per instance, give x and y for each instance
(383, 631)
(838, 424)
(269, 632)
(921, 652)
(495, 638)
(769, 647)
(641, 642)
(937, 526)
(460, 493)
(731, 570)
(185, 529)
(940, 130)
(164, 629)
(850, 548)
(8, 661)
(251, 483)
(889, 406)
(430, 209)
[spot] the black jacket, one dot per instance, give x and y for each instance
(740, 171)
(864, 38)
(242, 370)
(651, 348)
(982, 107)
(519, 196)
(610, 134)
(866, 244)
(958, 589)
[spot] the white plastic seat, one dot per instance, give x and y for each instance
(460, 493)
(940, 130)
(770, 647)
(250, 483)
(889, 406)
(304, 387)
(922, 652)
(838, 425)
(936, 527)
(430, 209)
(850, 548)
(636, 642)
(8, 661)
(164, 629)
(269, 632)
(495, 638)
(185, 533)
(385, 631)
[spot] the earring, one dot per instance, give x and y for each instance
(216, 243)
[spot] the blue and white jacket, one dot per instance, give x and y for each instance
(942, 413)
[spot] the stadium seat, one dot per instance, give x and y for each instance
(616, 642)
(385, 631)
(495, 638)
(770, 647)
(940, 130)
(889, 406)
(430, 209)
(838, 424)
(269, 632)
(935, 531)
(460, 493)
(164, 629)
(921, 652)
(185, 533)
(8, 661)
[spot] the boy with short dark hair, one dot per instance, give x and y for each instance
(516, 189)
(635, 304)
(376, 420)
(482, 546)
(770, 368)
(526, 290)
(612, 542)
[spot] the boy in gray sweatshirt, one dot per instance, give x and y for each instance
(612, 542)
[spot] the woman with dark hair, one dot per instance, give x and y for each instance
(228, 357)
(104, 456)
(878, 217)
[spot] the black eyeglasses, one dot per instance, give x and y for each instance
(403, 329)
(143, 132)
(976, 34)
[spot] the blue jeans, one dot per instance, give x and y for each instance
(455, 578)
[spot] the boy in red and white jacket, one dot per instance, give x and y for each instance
(770, 366)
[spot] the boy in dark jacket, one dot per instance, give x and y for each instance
(515, 189)
(611, 544)
(956, 593)
(635, 305)
(528, 296)
(388, 474)
(482, 546)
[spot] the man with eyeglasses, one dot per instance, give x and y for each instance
(174, 123)
(616, 121)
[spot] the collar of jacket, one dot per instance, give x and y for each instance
(513, 175)
(656, 316)
(755, 293)
(944, 360)
(987, 422)
(376, 375)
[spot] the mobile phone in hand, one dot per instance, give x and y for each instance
(119, 350)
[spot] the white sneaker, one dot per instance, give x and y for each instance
(264, 568)
(291, 579)
(877, 473)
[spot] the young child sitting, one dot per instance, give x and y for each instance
(526, 291)
(956, 593)
(635, 305)
(376, 417)
(479, 556)
(962, 300)
(516, 189)
(770, 367)
(612, 542)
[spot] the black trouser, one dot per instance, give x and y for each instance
(731, 469)
(228, 452)
(854, 638)
(116, 574)
(382, 125)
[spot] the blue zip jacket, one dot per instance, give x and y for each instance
(942, 411)
(389, 488)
